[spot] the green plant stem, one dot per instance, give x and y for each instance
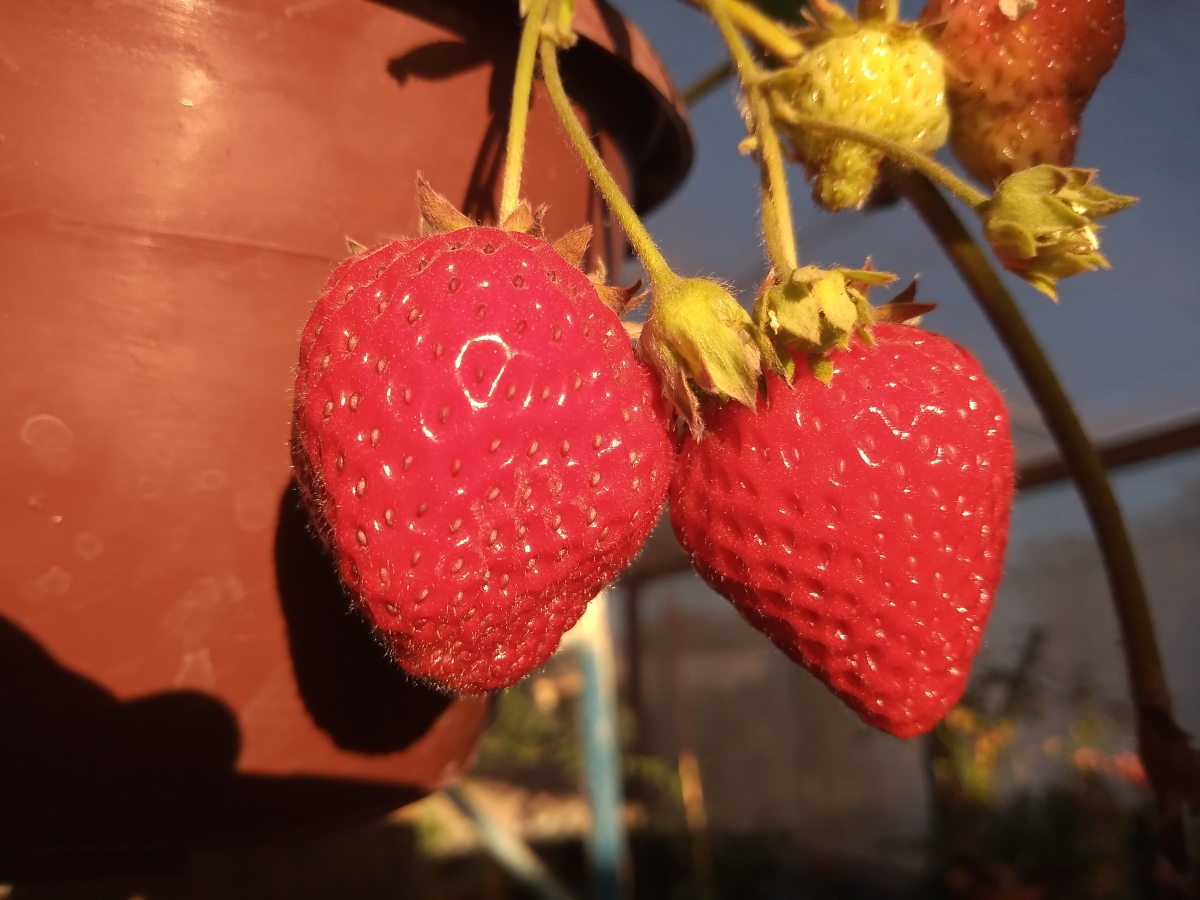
(778, 231)
(777, 207)
(518, 118)
(659, 273)
(708, 82)
(905, 156)
(1148, 683)
(763, 30)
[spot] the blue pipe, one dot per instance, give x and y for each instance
(601, 752)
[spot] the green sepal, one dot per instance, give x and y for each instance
(813, 311)
(867, 277)
(865, 319)
(698, 336)
(835, 301)
(821, 367)
(790, 310)
(1040, 223)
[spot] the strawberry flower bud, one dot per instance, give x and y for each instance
(1040, 223)
(697, 333)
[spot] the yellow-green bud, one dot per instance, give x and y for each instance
(696, 333)
(1040, 223)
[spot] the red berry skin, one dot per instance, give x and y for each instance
(479, 446)
(861, 525)
(1018, 87)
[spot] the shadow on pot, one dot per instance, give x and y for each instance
(91, 784)
(353, 692)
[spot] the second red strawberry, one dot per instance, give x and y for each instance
(860, 525)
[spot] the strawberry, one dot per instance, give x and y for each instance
(878, 76)
(479, 447)
(860, 525)
(1020, 73)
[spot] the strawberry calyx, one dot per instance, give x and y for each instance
(1040, 223)
(697, 335)
(439, 216)
(812, 311)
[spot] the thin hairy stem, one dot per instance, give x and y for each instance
(763, 30)
(655, 264)
(778, 230)
(898, 153)
(708, 82)
(518, 119)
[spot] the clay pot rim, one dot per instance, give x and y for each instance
(648, 118)
(663, 163)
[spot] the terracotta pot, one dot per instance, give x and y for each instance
(177, 663)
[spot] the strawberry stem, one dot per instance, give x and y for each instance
(762, 29)
(1169, 759)
(657, 270)
(905, 156)
(708, 82)
(518, 118)
(778, 230)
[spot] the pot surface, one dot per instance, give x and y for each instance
(177, 660)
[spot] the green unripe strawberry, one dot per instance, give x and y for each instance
(882, 77)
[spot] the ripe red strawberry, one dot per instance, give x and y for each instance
(479, 446)
(1020, 73)
(860, 525)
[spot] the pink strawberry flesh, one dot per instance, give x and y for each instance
(479, 446)
(860, 525)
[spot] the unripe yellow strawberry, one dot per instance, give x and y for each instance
(882, 77)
